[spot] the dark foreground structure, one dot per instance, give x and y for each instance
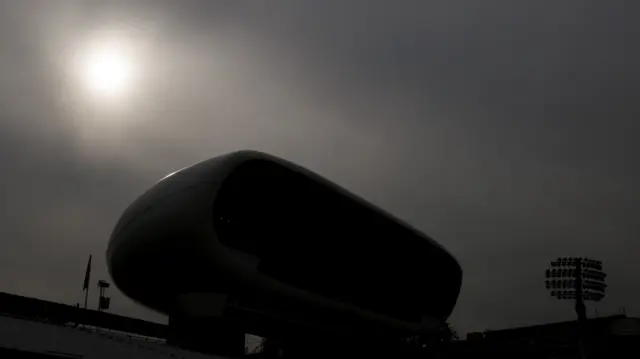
(37, 329)
(607, 337)
(251, 243)
(33, 328)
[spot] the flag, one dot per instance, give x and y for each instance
(87, 275)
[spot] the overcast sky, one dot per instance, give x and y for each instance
(507, 130)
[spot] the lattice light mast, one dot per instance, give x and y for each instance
(576, 278)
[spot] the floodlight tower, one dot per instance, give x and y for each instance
(579, 279)
(576, 278)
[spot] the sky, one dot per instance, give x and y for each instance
(506, 130)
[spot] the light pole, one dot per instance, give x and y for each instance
(578, 279)
(103, 301)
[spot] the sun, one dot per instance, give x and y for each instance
(108, 69)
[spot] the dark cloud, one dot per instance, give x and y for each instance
(504, 129)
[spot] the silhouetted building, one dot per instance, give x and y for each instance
(38, 329)
(615, 336)
(251, 243)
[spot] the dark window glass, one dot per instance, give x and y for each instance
(312, 236)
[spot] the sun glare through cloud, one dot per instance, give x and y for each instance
(107, 69)
(105, 74)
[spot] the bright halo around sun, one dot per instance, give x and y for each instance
(107, 69)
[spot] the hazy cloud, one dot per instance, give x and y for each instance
(505, 129)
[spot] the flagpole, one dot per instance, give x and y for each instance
(85, 286)
(86, 298)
